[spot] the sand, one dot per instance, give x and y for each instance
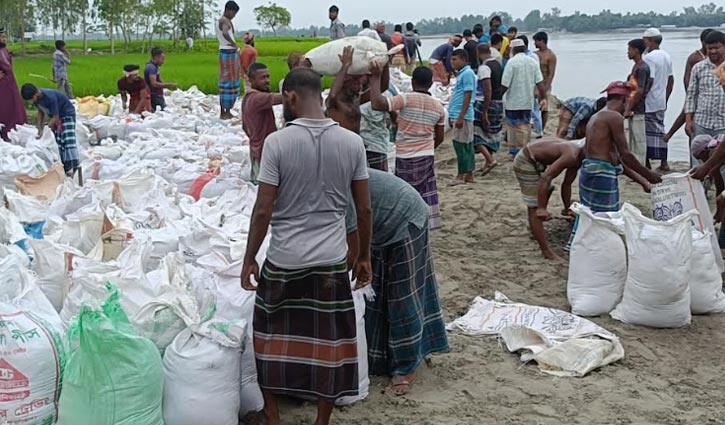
(667, 376)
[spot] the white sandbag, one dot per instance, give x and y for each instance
(33, 352)
(679, 193)
(657, 292)
(26, 208)
(83, 229)
(201, 374)
(325, 59)
(49, 264)
(597, 263)
(705, 278)
(362, 351)
(11, 230)
(219, 185)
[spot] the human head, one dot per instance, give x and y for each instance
(541, 39)
(635, 49)
(259, 77)
(513, 32)
(704, 34)
(131, 72)
(409, 26)
(652, 38)
(467, 34)
(484, 51)
(3, 36)
(456, 40)
(422, 78)
(478, 30)
(334, 11)
(459, 59)
(301, 89)
(496, 41)
(248, 38)
(157, 56)
(715, 45)
(231, 8)
(398, 28)
(365, 24)
(518, 46)
(380, 28)
(525, 39)
(294, 60)
(495, 22)
(601, 103)
(618, 95)
(59, 44)
(30, 92)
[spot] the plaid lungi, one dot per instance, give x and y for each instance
(229, 73)
(420, 173)
(404, 323)
(377, 160)
(489, 136)
(305, 332)
(65, 137)
(599, 185)
(528, 173)
(655, 128)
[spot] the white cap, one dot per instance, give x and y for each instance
(651, 33)
(517, 42)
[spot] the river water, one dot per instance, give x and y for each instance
(587, 63)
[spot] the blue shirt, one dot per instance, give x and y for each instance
(443, 53)
(153, 69)
(466, 81)
(55, 103)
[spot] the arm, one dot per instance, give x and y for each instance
(717, 158)
(693, 91)
(124, 99)
(66, 56)
(466, 104)
(447, 60)
(670, 86)
(353, 249)
(225, 26)
(487, 96)
(569, 178)
(154, 79)
(638, 179)
(634, 100)
(261, 216)
(439, 135)
(361, 196)
(628, 158)
(41, 120)
(688, 71)
(552, 172)
(377, 100)
(339, 84)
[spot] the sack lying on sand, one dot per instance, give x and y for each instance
(325, 59)
(657, 292)
(597, 264)
(705, 279)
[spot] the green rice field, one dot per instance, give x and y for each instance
(97, 72)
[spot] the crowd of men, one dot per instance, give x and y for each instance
(336, 213)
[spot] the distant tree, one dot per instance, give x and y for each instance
(273, 16)
(532, 21)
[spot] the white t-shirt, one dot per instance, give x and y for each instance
(660, 66)
(367, 32)
(484, 73)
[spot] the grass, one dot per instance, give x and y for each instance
(97, 73)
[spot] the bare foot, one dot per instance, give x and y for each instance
(553, 257)
(664, 167)
(469, 178)
(400, 385)
(488, 168)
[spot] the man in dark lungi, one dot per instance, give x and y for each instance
(304, 318)
(229, 64)
(660, 65)
(404, 322)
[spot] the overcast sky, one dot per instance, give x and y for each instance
(314, 12)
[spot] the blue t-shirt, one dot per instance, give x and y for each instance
(466, 81)
(55, 103)
(443, 54)
(153, 69)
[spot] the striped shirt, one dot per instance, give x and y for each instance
(419, 114)
(706, 97)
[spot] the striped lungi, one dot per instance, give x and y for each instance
(519, 129)
(305, 332)
(229, 73)
(420, 173)
(599, 185)
(65, 137)
(655, 128)
(377, 160)
(404, 323)
(528, 174)
(489, 136)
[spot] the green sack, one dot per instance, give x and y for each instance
(113, 376)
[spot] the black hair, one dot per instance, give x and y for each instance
(423, 76)
(467, 33)
(365, 23)
(638, 44)
(705, 33)
(156, 52)
(601, 103)
(493, 19)
(525, 39)
(611, 96)
(462, 54)
(130, 68)
(541, 36)
(409, 26)
(28, 91)
(513, 30)
(715, 37)
(398, 28)
(334, 9)
(496, 38)
(253, 68)
(483, 48)
(520, 49)
(59, 44)
(303, 80)
(478, 30)
(231, 5)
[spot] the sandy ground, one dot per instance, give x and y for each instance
(667, 376)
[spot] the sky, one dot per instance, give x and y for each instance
(314, 12)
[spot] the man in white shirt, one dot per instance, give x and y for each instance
(337, 28)
(368, 32)
(660, 64)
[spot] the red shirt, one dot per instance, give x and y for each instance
(397, 39)
(137, 91)
(258, 119)
(247, 57)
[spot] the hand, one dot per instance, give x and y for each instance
(376, 69)
(485, 120)
(690, 129)
(346, 57)
(543, 104)
(628, 114)
(459, 123)
(668, 137)
(250, 268)
(362, 273)
(647, 188)
(171, 86)
(699, 173)
(654, 178)
(542, 214)
(720, 210)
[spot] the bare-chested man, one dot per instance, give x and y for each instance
(535, 167)
(692, 60)
(547, 61)
(607, 154)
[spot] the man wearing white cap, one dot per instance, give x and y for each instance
(660, 64)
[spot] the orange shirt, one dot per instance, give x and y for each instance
(247, 57)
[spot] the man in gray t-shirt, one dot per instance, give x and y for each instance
(304, 301)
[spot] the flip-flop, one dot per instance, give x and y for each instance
(487, 169)
(456, 183)
(391, 389)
